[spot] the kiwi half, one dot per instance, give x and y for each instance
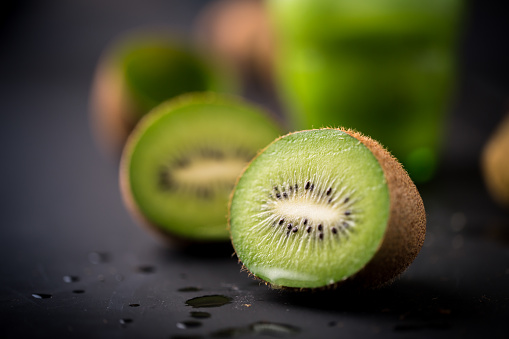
(318, 207)
(181, 162)
(140, 70)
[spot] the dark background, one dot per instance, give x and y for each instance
(63, 218)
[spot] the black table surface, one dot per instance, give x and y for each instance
(73, 262)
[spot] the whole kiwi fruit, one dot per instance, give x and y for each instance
(323, 207)
(495, 163)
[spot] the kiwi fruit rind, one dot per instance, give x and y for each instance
(495, 163)
(323, 207)
(181, 161)
(140, 70)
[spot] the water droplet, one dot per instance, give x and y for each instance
(125, 321)
(188, 324)
(209, 301)
(189, 289)
(273, 329)
(200, 315)
(78, 291)
(41, 295)
(98, 257)
(70, 278)
(146, 269)
(134, 305)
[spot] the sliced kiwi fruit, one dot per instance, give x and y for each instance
(181, 161)
(321, 207)
(140, 70)
(495, 163)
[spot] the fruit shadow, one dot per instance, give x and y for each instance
(411, 304)
(495, 230)
(220, 251)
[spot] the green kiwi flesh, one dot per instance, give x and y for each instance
(313, 209)
(181, 162)
(156, 71)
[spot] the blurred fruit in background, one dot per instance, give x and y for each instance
(140, 70)
(495, 163)
(386, 68)
(238, 33)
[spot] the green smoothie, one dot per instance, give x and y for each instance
(385, 68)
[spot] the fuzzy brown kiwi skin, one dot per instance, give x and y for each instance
(406, 226)
(111, 111)
(495, 164)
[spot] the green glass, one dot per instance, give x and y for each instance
(385, 68)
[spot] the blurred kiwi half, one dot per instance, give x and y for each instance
(140, 70)
(181, 161)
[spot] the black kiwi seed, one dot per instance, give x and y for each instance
(281, 221)
(319, 227)
(165, 181)
(347, 199)
(334, 230)
(278, 195)
(329, 191)
(295, 229)
(330, 200)
(296, 187)
(289, 226)
(206, 193)
(305, 221)
(312, 187)
(308, 229)
(348, 212)
(308, 184)
(276, 188)
(285, 195)
(320, 236)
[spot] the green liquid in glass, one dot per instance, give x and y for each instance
(385, 68)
